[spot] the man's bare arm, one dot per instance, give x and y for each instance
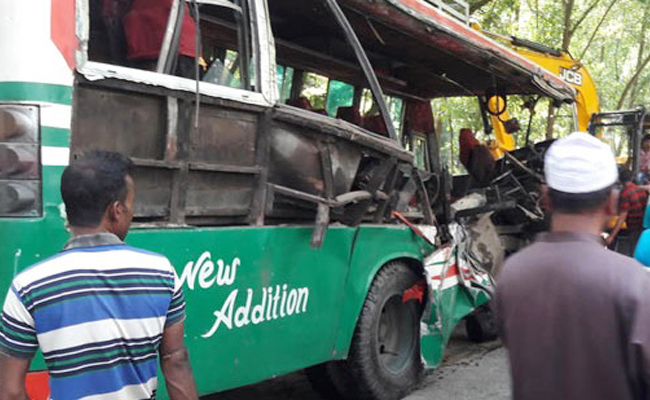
(12, 377)
(175, 365)
(617, 228)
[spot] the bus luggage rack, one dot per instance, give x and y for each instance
(457, 8)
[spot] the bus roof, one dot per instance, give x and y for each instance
(415, 48)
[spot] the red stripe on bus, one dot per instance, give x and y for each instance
(38, 385)
(452, 271)
(63, 29)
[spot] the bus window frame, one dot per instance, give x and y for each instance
(261, 48)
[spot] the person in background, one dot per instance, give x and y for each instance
(574, 316)
(145, 25)
(475, 157)
(633, 201)
(100, 311)
(644, 161)
(642, 251)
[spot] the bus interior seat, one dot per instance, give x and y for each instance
(300, 102)
(350, 114)
(375, 123)
(419, 117)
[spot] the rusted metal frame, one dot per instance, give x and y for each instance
(375, 88)
(231, 169)
(180, 179)
(171, 156)
(354, 214)
(323, 212)
(171, 40)
(255, 25)
(523, 167)
(429, 217)
(262, 150)
(339, 201)
(389, 190)
(518, 187)
(213, 212)
(342, 129)
(429, 27)
(296, 194)
(491, 207)
(145, 162)
(320, 226)
(127, 86)
(328, 170)
(243, 33)
(171, 147)
(636, 140)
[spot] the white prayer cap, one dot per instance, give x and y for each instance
(580, 163)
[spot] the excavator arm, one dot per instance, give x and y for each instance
(559, 63)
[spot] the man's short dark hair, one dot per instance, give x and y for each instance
(578, 203)
(92, 182)
(625, 175)
(645, 138)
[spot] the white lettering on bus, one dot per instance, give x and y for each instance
(204, 268)
(291, 302)
(276, 302)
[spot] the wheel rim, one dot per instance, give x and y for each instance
(396, 334)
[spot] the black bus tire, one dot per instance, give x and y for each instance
(480, 325)
(384, 357)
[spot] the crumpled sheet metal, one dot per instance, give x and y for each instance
(445, 269)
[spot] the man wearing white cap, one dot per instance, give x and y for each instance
(575, 316)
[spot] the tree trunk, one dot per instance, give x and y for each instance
(634, 91)
(476, 5)
(550, 120)
(566, 32)
(631, 82)
(600, 23)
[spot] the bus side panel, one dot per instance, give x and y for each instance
(26, 241)
(260, 301)
(373, 247)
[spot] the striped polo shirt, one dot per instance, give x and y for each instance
(97, 311)
(633, 199)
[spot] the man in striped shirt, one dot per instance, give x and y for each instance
(100, 311)
(633, 201)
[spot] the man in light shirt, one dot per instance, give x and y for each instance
(100, 311)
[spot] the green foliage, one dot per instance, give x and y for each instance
(612, 56)
(315, 89)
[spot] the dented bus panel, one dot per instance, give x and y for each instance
(275, 198)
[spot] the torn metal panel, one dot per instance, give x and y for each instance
(457, 283)
(96, 71)
(456, 42)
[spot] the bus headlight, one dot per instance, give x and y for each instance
(18, 161)
(18, 199)
(20, 172)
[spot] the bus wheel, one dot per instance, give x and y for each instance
(385, 352)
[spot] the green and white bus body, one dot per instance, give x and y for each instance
(277, 219)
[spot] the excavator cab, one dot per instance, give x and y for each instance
(623, 131)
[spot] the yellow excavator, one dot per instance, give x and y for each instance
(556, 61)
